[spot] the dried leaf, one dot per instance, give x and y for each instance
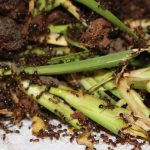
(83, 139)
(38, 124)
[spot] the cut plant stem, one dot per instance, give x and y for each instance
(111, 86)
(89, 82)
(101, 78)
(90, 107)
(135, 23)
(104, 76)
(5, 72)
(87, 86)
(108, 61)
(54, 38)
(44, 5)
(95, 6)
(62, 28)
(58, 28)
(139, 79)
(45, 51)
(47, 100)
(148, 87)
(70, 7)
(139, 74)
(121, 103)
(135, 103)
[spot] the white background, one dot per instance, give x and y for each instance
(21, 141)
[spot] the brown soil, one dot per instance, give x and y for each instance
(10, 35)
(95, 36)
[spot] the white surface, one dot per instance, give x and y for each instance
(21, 141)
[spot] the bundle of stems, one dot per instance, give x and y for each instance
(97, 110)
(94, 108)
(104, 81)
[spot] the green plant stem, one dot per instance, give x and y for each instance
(62, 28)
(134, 102)
(139, 75)
(108, 61)
(53, 104)
(89, 106)
(89, 82)
(139, 79)
(59, 51)
(105, 78)
(87, 86)
(148, 87)
(5, 72)
(44, 5)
